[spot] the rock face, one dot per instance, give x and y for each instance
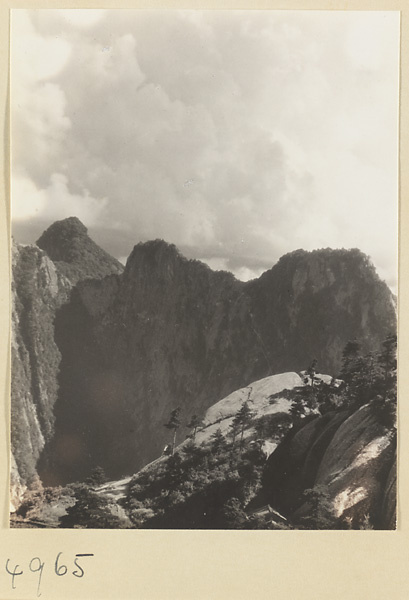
(171, 332)
(39, 288)
(68, 245)
(388, 511)
(267, 396)
(314, 302)
(349, 456)
(356, 464)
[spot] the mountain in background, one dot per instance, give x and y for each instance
(73, 252)
(102, 354)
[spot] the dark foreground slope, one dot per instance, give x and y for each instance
(322, 463)
(313, 453)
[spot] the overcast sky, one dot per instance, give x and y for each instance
(238, 136)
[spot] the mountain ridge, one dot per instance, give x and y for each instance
(166, 330)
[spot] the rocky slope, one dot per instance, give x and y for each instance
(39, 288)
(129, 347)
(350, 457)
(266, 396)
(345, 459)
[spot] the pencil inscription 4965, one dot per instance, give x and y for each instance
(36, 566)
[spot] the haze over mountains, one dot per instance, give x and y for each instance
(101, 354)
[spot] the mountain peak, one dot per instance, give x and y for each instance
(70, 227)
(57, 240)
(323, 266)
(155, 248)
(68, 244)
(159, 259)
(156, 256)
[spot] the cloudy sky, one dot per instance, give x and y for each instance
(238, 136)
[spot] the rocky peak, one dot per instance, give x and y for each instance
(320, 299)
(61, 237)
(320, 268)
(77, 256)
(153, 256)
(159, 262)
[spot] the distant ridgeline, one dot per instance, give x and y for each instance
(101, 354)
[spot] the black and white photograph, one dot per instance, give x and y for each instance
(204, 222)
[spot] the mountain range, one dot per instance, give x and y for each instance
(101, 353)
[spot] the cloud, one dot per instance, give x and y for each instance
(28, 200)
(54, 202)
(82, 17)
(237, 135)
(39, 122)
(35, 57)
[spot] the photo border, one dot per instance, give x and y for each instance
(211, 565)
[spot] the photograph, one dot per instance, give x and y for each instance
(204, 269)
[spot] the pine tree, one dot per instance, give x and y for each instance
(243, 418)
(312, 372)
(174, 470)
(233, 514)
(297, 407)
(388, 363)
(358, 375)
(385, 402)
(194, 423)
(90, 511)
(174, 423)
(327, 396)
(193, 453)
(97, 477)
(218, 441)
(320, 510)
(349, 355)
(235, 428)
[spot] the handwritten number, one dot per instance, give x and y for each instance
(13, 573)
(77, 573)
(62, 569)
(38, 570)
(36, 566)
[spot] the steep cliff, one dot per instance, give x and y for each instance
(39, 288)
(171, 332)
(311, 303)
(355, 467)
(349, 459)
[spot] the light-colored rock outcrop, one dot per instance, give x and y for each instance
(348, 458)
(355, 465)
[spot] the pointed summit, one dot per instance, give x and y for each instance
(68, 244)
(58, 239)
(154, 256)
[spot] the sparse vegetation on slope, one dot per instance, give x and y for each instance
(224, 477)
